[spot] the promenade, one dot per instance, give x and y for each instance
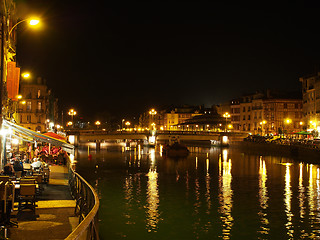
(54, 216)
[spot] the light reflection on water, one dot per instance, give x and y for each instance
(225, 194)
(263, 198)
(212, 194)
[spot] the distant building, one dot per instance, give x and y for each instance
(267, 113)
(170, 117)
(311, 100)
(38, 108)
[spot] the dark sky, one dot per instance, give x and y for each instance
(126, 59)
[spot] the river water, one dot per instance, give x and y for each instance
(212, 194)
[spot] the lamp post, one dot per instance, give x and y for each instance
(226, 115)
(97, 123)
(152, 113)
(23, 102)
(127, 124)
(72, 113)
(287, 122)
(5, 34)
(262, 124)
(122, 124)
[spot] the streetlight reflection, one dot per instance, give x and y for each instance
(287, 201)
(153, 215)
(263, 197)
(225, 194)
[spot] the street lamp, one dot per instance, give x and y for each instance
(32, 22)
(287, 122)
(26, 75)
(72, 113)
(122, 124)
(262, 123)
(97, 123)
(128, 124)
(17, 103)
(226, 115)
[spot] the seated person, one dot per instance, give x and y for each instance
(17, 166)
(37, 164)
(8, 170)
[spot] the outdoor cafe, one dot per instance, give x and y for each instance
(23, 186)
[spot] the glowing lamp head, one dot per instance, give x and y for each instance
(34, 22)
(25, 75)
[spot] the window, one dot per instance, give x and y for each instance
(244, 117)
(28, 118)
(285, 105)
(28, 106)
(39, 119)
(39, 106)
(39, 93)
(249, 118)
(244, 109)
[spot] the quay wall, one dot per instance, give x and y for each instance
(297, 152)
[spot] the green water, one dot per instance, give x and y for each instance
(212, 194)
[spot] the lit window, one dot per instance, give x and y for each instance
(28, 106)
(39, 105)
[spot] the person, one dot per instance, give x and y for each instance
(36, 151)
(29, 149)
(17, 165)
(8, 170)
(36, 164)
(25, 159)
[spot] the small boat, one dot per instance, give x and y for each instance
(175, 150)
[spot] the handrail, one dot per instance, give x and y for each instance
(88, 227)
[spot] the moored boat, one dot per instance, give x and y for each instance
(176, 150)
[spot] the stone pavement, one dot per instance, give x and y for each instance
(54, 216)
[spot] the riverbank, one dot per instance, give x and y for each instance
(297, 152)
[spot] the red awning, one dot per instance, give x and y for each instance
(54, 135)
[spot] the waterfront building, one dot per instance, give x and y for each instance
(267, 113)
(179, 115)
(209, 120)
(311, 100)
(38, 109)
(9, 72)
(170, 117)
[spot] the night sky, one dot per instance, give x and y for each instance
(123, 60)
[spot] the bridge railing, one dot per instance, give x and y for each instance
(87, 205)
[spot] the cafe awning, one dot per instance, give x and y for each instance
(28, 135)
(303, 133)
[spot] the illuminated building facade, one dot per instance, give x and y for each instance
(37, 108)
(171, 117)
(311, 100)
(266, 114)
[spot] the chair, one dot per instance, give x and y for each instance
(10, 197)
(4, 178)
(27, 197)
(27, 180)
(38, 178)
(18, 174)
(7, 202)
(46, 175)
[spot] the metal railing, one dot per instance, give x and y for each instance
(87, 205)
